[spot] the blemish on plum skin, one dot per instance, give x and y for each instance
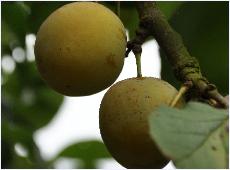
(221, 136)
(110, 60)
(214, 148)
(227, 128)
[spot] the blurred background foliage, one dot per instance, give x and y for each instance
(28, 104)
(204, 28)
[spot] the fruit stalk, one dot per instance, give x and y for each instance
(138, 63)
(186, 68)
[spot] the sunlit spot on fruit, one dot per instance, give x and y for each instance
(20, 150)
(8, 64)
(18, 54)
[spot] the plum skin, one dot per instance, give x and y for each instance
(123, 120)
(80, 48)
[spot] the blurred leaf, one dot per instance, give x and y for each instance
(40, 11)
(86, 150)
(20, 162)
(14, 24)
(8, 37)
(6, 153)
(12, 133)
(32, 103)
(204, 29)
(191, 136)
(169, 7)
(128, 15)
(10, 159)
(10, 130)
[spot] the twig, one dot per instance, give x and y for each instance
(184, 88)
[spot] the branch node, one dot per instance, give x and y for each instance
(135, 44)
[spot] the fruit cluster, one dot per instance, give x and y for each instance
(80, 50)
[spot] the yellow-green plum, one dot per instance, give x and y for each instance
(80, 48)
(123, 120)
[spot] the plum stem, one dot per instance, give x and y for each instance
(138, 63)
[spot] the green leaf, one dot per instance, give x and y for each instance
(86, 150)
(204, 29)
(191, 136)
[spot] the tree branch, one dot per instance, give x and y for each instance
(185, 67)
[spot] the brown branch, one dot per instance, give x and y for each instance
(185, 67)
